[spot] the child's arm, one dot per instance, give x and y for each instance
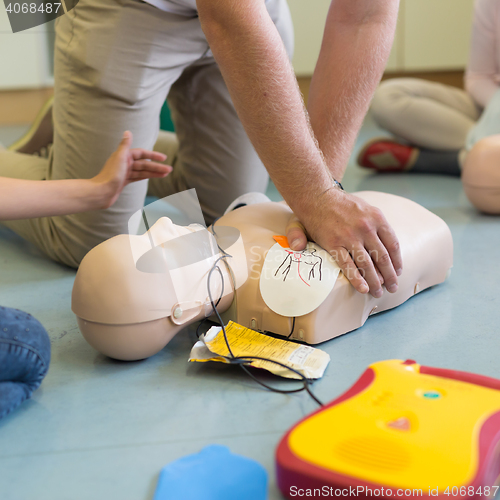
(22, 199)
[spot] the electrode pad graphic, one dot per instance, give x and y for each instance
(296, 283)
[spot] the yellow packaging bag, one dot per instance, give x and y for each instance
(308, 361)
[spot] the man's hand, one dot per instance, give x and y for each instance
(358, 237)
(127, 165)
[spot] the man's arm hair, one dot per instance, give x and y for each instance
(247, 46)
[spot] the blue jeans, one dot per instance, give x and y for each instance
(24, 357)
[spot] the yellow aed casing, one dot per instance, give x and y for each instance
(402, 430)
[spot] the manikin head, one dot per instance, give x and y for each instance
(132, 294)
(481, 175)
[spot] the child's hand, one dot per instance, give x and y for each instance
(127, 165)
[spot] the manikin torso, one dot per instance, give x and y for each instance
(128, 313)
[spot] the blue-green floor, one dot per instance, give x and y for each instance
(100, 429)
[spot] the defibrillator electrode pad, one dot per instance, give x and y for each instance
(295, 283)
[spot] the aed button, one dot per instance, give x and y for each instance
(432, 394)
(400, 424)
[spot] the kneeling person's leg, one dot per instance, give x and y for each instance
(38, 231)
(215, 154)
(108, 79)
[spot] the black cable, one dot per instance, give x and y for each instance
(293, 328)
(202, 322)
(241, 360)
(145, 219)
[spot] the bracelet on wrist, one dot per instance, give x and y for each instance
(338, 184)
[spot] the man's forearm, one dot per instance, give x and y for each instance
(356, 44)
(260, 79)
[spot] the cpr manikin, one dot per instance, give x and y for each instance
(132, 294)
(481, 175)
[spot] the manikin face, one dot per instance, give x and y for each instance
(184, 256)
(162, 273)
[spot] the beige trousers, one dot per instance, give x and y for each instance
(115, 63)
(425, 114)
